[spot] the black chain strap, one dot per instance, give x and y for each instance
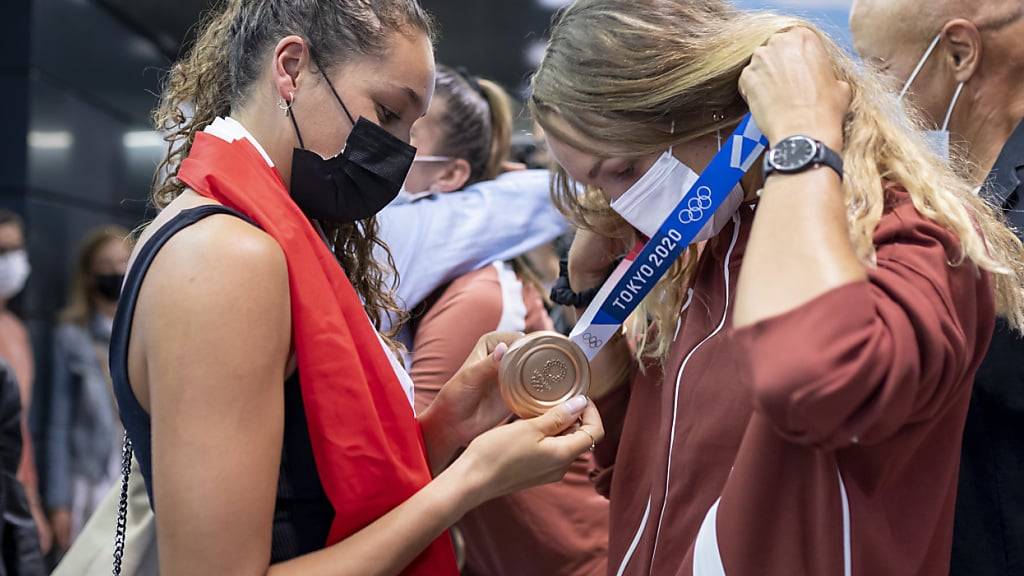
(122, 507)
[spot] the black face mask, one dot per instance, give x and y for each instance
(356, 184)
(109, 286)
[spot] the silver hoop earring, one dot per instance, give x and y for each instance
(286, 105)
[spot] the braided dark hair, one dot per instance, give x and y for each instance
(477, 122)
(477, 127)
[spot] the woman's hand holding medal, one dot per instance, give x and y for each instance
(470, 403)
(513, 456)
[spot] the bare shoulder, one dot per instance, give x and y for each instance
(224, 243)
(220, 266)
(219, 247)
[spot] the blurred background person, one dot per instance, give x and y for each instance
(16, 349)
(83, 435)
(961, 62)
(20, 554)
(464, 140)
(435, 237)
(557, 529)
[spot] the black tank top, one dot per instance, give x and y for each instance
(302, 512)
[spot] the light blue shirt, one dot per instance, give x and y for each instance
(437, 238)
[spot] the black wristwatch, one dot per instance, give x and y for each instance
(798, 153)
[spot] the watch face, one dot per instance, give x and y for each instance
(794, 153)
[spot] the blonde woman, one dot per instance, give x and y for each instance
(559, 529)
(802, 383)
(83, 456)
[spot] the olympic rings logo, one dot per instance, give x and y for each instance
(696, 206)
(591, 340)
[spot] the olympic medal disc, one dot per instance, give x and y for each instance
(542, 371)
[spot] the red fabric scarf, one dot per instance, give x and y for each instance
(366, 441)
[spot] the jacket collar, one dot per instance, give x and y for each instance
(1004, 187)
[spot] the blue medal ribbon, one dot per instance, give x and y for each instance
(628, 286)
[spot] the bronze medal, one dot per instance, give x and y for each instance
(542, 371)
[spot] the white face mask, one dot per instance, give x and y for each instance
(652, 198)
(14, 270)
(406, 196)
(938, 140)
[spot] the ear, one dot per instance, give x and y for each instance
(291, 58)
(453, 177)
(963, 48)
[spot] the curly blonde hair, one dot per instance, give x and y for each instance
(219, 70)
(621, 72)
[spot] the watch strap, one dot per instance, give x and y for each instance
(828, 157)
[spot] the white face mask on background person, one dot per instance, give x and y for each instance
(938, 140)
(14, 271)
(652, 198)
(405, 195)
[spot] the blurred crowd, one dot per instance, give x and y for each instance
(71, 465)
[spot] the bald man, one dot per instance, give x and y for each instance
(968, 56)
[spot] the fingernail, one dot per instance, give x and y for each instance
(499, 351)
(576, 405)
